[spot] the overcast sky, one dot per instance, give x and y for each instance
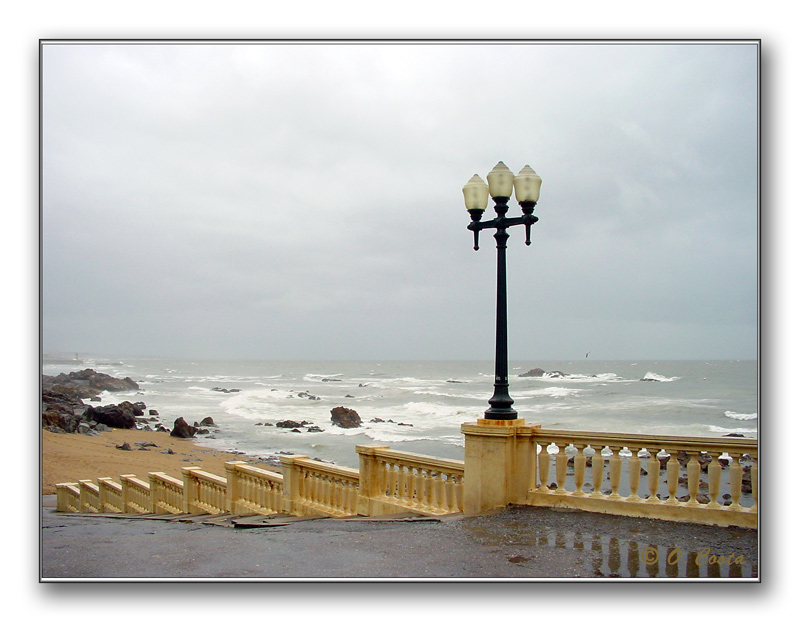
(299, 201)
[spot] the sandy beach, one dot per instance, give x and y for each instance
(70, 457)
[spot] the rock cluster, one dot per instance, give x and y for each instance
(538, 372)
(86, 383)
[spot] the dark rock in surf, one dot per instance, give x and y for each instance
(537, 372)
(345, 417)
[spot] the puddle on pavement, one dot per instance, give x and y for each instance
(632, 558)
(640, 559)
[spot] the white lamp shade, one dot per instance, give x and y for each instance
(501, 181)
(527, 185)
(476, 193)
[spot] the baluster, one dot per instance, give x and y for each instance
(598, 466)
(693, 477)
(403, 495)
(561, 468)
(328, 486)
(754, 483)
(653, 473)
(672, 477)
(423, 483)
(319, 489)
(389, 472)
(544, 467)
(580, 471)
(634, 474)
(460, 493)
(735, 474)
(450, 493)
(438, 501)
(430, 489)
(615, 471)
(714, 478)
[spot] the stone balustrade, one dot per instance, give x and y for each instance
(703, 480)
(677, 478)
(313, 487)
(252, 490)
(135, 495)
(203, 493)
(166, 494)
(394, 481)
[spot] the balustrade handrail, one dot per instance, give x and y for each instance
(666, 442)
(214, 480)
(422, 460)
(328, 469)
(258, 472)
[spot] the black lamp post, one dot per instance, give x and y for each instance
(526, 186)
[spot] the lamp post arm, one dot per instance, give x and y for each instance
(502, 222)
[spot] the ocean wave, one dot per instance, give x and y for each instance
(741, 416)
(580, 378)
(653, 377)
(722, 431)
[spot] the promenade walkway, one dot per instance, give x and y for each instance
(517, 543)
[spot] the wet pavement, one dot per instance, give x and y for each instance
(516, 543)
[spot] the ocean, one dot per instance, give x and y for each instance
(419, 406)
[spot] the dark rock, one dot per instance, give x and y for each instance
(85, 428)
(345, 417)
(314, 428)
(61, 409)
(87, 383)
(735, 434)
(221, 390)
(288, 423)
(181, 429)
(377, 420)
(153, 412)
(538, 372)
(124, 446)
(351, 396)
(208, 421)
(331, 380)
(122, 415)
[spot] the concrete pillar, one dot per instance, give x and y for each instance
(498, 463)
(291, 485)
(368, 478)
(232, 478)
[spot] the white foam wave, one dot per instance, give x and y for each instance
(582, 378)
(719, 430)
(741, 416)
(659, 378)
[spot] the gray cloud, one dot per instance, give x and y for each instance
(304, 201)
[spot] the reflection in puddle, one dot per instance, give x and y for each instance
(630, 558)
